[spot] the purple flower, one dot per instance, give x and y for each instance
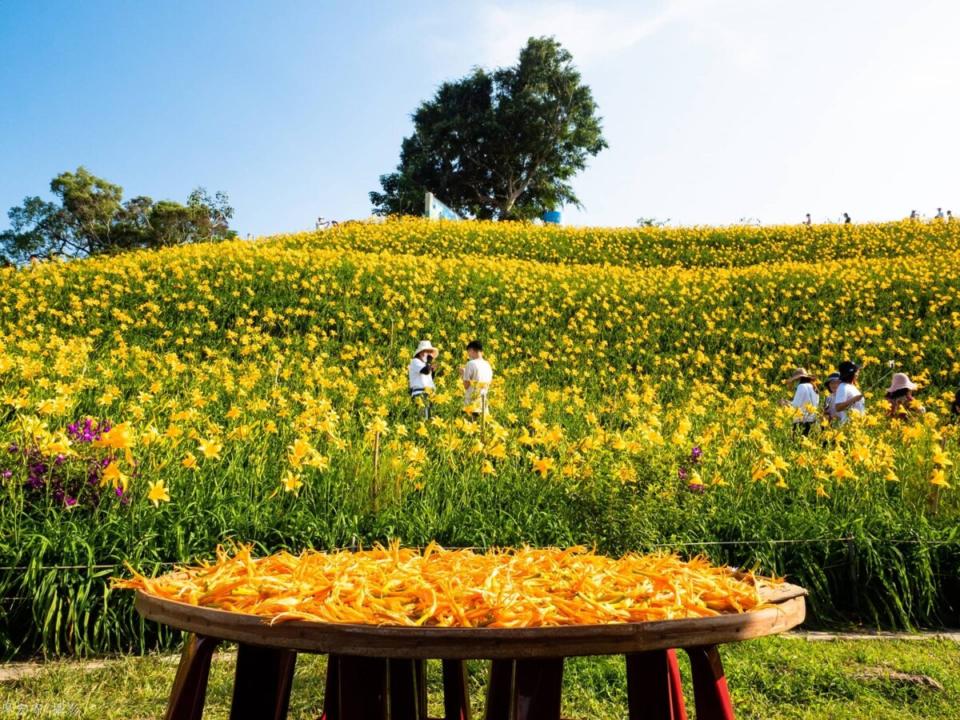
(7, 474)
(60, 459)
(696, 454)
(70, 501)
(58, 495)
(13, 447)
(119, 491)
(34, 482)
(696, 488)
(682, 473)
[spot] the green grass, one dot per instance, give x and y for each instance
(771, 679)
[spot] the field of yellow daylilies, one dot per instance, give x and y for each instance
(156, 404)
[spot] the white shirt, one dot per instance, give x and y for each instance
(419, 382)
(845, 392)
(804, 396)
(479, 374)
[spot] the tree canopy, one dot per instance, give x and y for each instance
(90, 217)
(502, 144)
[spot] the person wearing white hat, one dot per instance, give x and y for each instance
(805, 400)
(900, 396)
(420, 375)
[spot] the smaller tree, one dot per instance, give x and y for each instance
(91, 218)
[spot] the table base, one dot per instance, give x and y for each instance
(364, 688)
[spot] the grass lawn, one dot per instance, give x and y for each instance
(770, 679)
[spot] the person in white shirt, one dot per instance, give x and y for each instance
(477, 376)
(848, 397)
(420, 376)
(805, 400)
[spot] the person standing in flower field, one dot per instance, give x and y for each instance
(477, 376)
(848, 398)
(420, 376)
(805, 400)
(900, 396)
(829, 404)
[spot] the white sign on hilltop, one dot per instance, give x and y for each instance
(436, 210)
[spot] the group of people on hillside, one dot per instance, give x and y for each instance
(476, 376)
(844, 397)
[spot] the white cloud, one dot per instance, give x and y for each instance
(588, 31)
(493, 33)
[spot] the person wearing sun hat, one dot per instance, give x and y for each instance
(848, 396)
(420, 376)
(900, 396)
(805, 400)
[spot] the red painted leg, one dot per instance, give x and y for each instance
(190, 685)
(262, 683)
(653, 686)
(537, 689)
(676, 686)
(500, 690)
(456, 697)
(709, 684)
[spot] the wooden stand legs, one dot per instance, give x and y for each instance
(190, 685)
(360, 688)
(525, 689)
(653, 686)
(261, 688)
(709, 684)
(654, 691)
(376, 689)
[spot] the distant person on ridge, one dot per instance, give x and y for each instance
(939, 214)
(913, 215)
(420, 375)
(808, 222)
(846, 219)
(805, 401)
(477, 376)
(848, 399)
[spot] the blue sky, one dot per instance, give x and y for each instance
(715, 110)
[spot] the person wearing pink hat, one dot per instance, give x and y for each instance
(900, 396)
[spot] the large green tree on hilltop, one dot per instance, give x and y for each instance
(91, 218)
(502, 144)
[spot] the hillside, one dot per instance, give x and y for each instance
(635, 406)
(692, 247)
